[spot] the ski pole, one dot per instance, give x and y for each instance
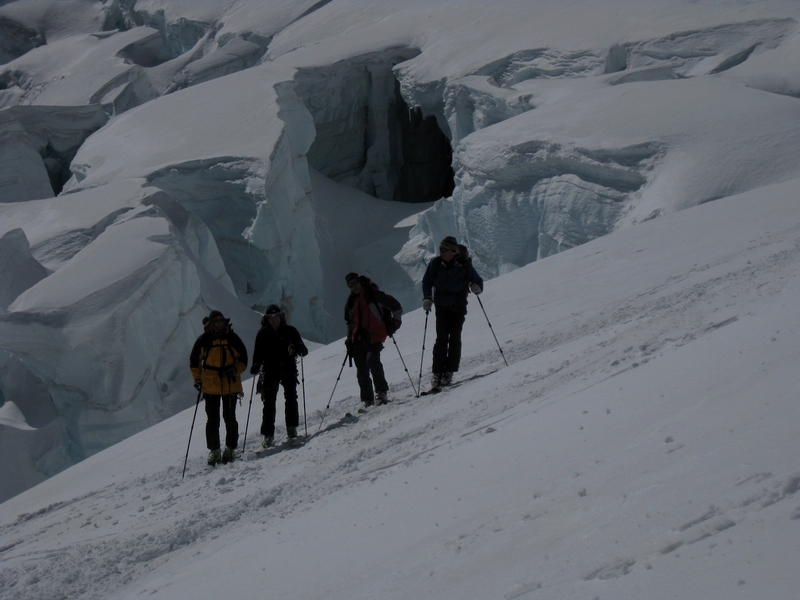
(334, 389)
(492, 329)
(422, 358)
(252, 389)
(185, 460)
(404, 366)
(303, 382)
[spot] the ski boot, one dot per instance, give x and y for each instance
(436, 381)
(381, 398)
(214, 457)
(291, 432)
(268, 441)
(227, 455)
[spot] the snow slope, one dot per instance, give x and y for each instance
(642, 443)
(160, 158)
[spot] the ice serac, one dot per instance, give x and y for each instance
(537, 198)
(776, 70)
(432, 225)
(18, 269)
(57, 19)
(474, 102)
(282, 232)
(23, 175)
(99, 71)
(530, 183)
(37, 144)
(200, 41)
(91, 355)
(264, 228)
(237, 54)
(249, 187)
(16, 39)
(705, 51)
(359, 120)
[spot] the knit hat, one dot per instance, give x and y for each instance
(350, 277)
(208, 322)
(273, 309)
(450, 242)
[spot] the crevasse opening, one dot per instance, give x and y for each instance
(367, 137)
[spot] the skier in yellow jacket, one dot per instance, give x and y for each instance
(217, 361)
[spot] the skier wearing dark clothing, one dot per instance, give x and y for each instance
(217, 361)
(366, 332)
(452, 276)
(275, 355)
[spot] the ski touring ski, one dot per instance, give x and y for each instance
(433, 390)
(360, 411)
(439, 389)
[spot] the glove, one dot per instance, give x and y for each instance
(427, 303)
(303, 351)
(475, 288)
(230, 373)
(255, 369)
(348, 344)
(198, 385)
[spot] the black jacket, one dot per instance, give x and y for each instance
(276, 350)
(448, 283)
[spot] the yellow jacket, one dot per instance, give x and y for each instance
(217, 362)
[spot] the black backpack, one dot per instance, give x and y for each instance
(391, 319)
(463, 254)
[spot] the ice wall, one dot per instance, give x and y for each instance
(528, 187)
(37, 144)
(283, 230)
(16, 39)
(92, 354)
(18, 269)
(125, 56)
(366, 135)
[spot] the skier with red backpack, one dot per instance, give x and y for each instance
(367, 312)
(447, 281)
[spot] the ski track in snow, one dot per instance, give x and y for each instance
(164, 514)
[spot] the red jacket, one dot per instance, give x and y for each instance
(363, 316)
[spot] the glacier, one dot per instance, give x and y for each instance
(164, 157)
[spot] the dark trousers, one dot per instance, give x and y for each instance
(269, 396)
(229, 416)
(447, 348)
(368, 362)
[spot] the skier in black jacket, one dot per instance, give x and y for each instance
(452, 277)
(275, 355)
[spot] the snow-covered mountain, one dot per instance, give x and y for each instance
(642, 443)
(161, 158)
